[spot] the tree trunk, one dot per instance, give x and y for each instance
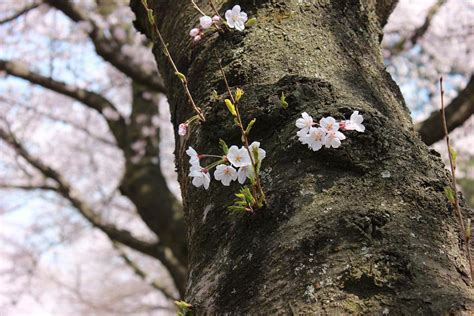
(364, 228)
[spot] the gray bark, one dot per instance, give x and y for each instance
(336, 236)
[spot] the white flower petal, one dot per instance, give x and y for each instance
(236, 9)
(193, 156)
(340, 135)
(206, 180)
(242, 174)
(228, 15)
(239, 25)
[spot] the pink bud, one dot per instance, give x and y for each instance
(216, 18)
(205, 21)
(194, 32)
(183, 129)
(342, 124)
(197, 38)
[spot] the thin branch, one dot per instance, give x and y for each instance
(108, 50)
(244, 135)
(214, 8)
(28, 187)
(457, 112)
(166, 52)
(19, 13)
(197, 8)
(452, 164)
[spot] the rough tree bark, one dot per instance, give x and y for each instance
(364, 228)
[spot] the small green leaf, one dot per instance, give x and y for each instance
(183, 307)
(448, 191)
(230, 106)
(236, 121)
(244, 202)
(224, 146)
(237, 209)
(248, 196)
(249, 127)
(283, 102)
(181, 76)
(251, 22)
(454, 155)
(238, 94)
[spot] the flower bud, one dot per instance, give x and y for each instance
(238, 94)
(183, 129)
(194, 32)
(206, 22)
(216, 18)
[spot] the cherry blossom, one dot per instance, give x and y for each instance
(244, 172)
(327, 134)
(329, 124)
(201, 177)
(315, 138)
(302, 136)
(225, 174)
(236, 18)
(333, 139)
(261, 154)
(355, 123)
(304, 123)
(238, 157)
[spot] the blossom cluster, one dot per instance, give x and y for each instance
(235, 18)
(226, 166)
(328, 132)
